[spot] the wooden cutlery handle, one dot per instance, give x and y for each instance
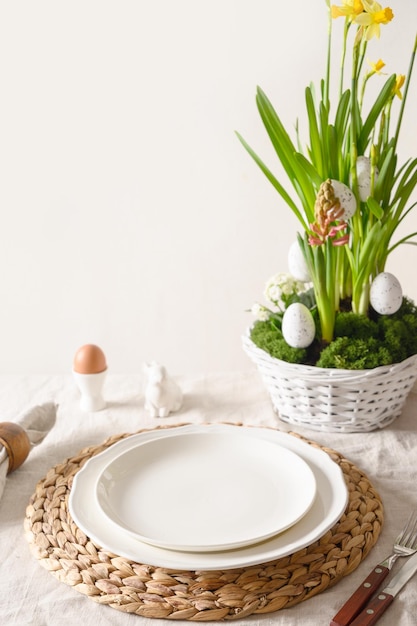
(373, 611)
(14, 438)
(360, 597)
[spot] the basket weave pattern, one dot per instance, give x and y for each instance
(69, 555)
(334, 400)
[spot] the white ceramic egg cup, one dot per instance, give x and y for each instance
(90, 387)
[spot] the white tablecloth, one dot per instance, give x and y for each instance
(31, 595)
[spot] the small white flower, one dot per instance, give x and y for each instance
(273, 290)
(287, 288)
(260, 312)
(282, 285)
(273, 293)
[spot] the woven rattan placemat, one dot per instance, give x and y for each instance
(64, 550)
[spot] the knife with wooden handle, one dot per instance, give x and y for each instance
(360, 597)
(379, 604)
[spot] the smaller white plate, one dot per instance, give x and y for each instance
(206, 491)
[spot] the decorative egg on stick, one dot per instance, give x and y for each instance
(297, 264)
(365, 173)
(298, 327)
(89, 370)
(345, 197)
(386, 294)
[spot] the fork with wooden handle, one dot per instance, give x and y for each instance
(405, 545)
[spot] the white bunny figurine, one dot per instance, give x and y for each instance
(162, 394)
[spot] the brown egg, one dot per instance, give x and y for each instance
(89, 359)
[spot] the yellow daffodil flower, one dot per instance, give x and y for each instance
(398, 84)
(377, 67)
(349, 8)
(372, 17)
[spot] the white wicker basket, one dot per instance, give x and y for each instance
(334, 400)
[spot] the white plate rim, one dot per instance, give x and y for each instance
(272, 452)
(330, 482)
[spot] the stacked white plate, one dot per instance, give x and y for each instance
(204, 497)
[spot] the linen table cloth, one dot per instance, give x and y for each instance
(30, 595)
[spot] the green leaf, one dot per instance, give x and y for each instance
(283, 193)
(342, 113)
(405, 213)
(286, 152)
(365, 264)
(335, 155)
(310, 170)
(369, 251)
(369, 124)
(331, 252)
(385, 167)
(276, 131)
(356, 124)
(404, 191)
(324, 129)
(315, 139)
(375, 207)
(408, 173)
(384, 183)
(404, 240)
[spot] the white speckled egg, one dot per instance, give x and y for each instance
(363, 171)
(346, 198)
(386, 294)
(297, 264)
(298, 328)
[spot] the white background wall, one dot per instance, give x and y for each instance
(131, 216)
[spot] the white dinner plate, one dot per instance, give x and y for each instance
(328, 507)
(206, 491)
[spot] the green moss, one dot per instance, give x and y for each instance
(360, 342)
(356, 326)
(408, 307)
(347, 353)
(395, 335)
(411, 322)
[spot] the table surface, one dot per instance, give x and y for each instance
(31, 595)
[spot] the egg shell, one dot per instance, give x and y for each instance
(298, 328)
(89, 359)
(363, 172)
(297, 264)
(346, 198)
(386, 294)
